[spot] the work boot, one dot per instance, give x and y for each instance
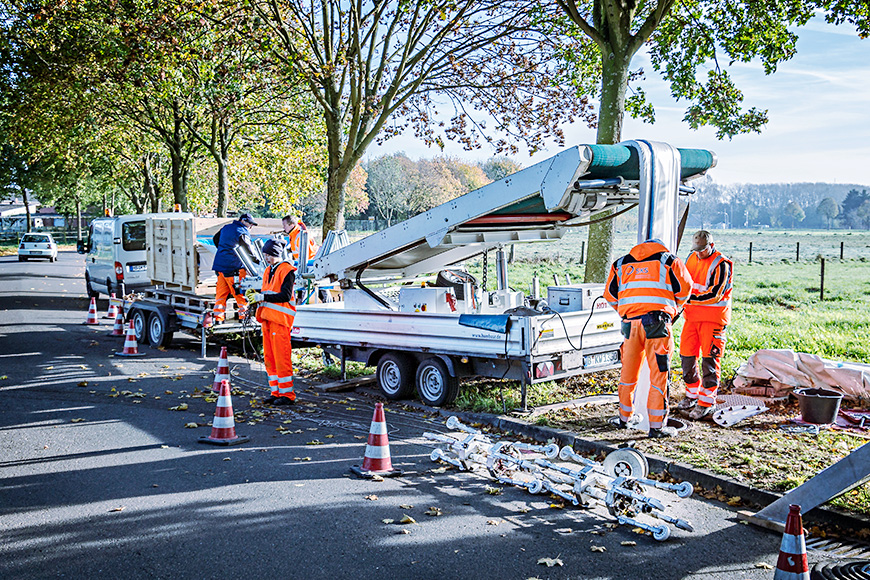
(618, 422)
(699, 413)
(281, 401)
(686, 404)
(665, 431)
(270, 400)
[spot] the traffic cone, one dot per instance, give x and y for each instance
(223, 371)
(377, 456)
(112, 313)
(92, 313)
(130, 346)
(223, 427)
(792, 562)
(118, 328)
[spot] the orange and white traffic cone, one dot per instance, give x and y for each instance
(112, 312)
(130, 346)
(223, 371)
(92, 313)
(377, 459)
(223, 427)
(792, 562)
(118, 328)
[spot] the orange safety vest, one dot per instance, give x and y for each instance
(711, 292)
(648, 279)
(277, 312)
(294, 236)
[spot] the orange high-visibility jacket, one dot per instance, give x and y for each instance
(282, 312)
(294, 243)
(711, 292)
(647, 279)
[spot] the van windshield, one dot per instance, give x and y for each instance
(133, 236)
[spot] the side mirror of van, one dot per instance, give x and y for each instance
(82, 247)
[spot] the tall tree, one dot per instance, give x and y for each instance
(375, 68)
(829, 209)
(682, 38)
(795, 212)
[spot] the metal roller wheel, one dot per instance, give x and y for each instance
(536, 486)
(626, 462)
(551, 451)
(661, 533)
(685, 489)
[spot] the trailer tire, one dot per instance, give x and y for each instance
(395, 376)
(434, 384)
(158, 333)
(140, 324)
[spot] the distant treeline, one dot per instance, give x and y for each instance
(780, 205)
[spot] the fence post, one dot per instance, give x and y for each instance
(583, 252)
(750, 252)
(798, 253)
(841, 250)
(822, 285)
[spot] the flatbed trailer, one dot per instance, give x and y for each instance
(416, 338)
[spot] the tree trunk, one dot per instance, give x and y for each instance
(614, 81)
(179, 179)
(26, 209)
(149, 193)
(223, 186)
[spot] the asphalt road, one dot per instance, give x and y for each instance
(100, 479)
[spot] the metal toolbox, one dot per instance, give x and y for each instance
(575, 297)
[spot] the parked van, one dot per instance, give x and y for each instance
(115, 255)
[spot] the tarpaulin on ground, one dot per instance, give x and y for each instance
(776, 372)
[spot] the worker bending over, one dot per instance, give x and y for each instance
(293, 227)
(647, 287)
(228, 267)
(707, 313)
(275, 314)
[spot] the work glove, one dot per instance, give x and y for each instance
(253, 296)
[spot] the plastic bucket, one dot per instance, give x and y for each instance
(819, 406)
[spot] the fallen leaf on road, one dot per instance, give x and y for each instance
(190, 425)
(597, 549)
(557, 506)
(301, 459)
(493, 490)
(406, 506)
(563, 531)
(434, 511)
(76, 420)
(377, 478)
(735, 501)
(610, 525)
(372, 497)
(117, 509)
(492, 522)
(638, 530)
(350, 409)
(83, 384)
(628, 543)
(435, 470)
(406, 519)
(181, 407)
(404, 531)
(388, 521)
(764, 565)
(167, 392)
(329, 436)
(287, 421)
(359, 437)
(315, 442)
(228, 458)
(550, 562)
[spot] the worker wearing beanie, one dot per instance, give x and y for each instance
(275, 314)
(707, 314)
(647, 286)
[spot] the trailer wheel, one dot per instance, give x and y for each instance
(158, 335)
(396, 376)
(140, 320)
(434, 383)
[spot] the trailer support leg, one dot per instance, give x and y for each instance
(202, 337)
(343, 364)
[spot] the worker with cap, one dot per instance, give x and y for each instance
(707, 314)
(293, 227)
(228, 267)
(275, 313)
(647, 287)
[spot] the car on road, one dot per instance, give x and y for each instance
(37, 245)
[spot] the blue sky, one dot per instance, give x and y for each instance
(818, 107)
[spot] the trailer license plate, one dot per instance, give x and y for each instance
(138, 268)
(600, 359)
(572, 360)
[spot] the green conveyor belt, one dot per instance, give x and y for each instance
(622, 161)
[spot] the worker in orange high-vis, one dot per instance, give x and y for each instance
(275, 313)
(228, 267)
(707, 314)
(647, 287)
(293, 227)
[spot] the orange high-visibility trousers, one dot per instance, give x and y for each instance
(707, 340)
(277, 356)
(226, 287)
(637, 349)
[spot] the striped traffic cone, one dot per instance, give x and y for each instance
(223, 371)
(377, 456)
(112, 313)
(792, 562)
(118, 328)
(130, 346)
(92, 313)
(223, 428)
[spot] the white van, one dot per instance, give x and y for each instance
(115, 255)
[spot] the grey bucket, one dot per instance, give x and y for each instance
(819, 406)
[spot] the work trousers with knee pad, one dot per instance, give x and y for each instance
(277, 356)
(653, 345)
(707, 340)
